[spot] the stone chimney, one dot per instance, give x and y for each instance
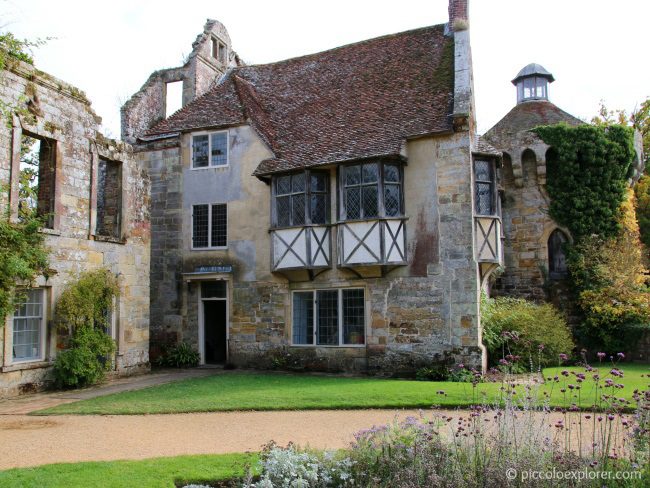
(458, 15)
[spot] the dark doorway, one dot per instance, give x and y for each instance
(214, 324)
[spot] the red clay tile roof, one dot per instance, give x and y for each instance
(357, 101)
(525, 116)
(485, 148)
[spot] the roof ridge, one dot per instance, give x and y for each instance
(344, 46)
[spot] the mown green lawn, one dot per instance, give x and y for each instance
(275, 391)
(148, 473)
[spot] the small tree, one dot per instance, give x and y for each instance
(84, 312)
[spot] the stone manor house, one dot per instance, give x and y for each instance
(335, 211)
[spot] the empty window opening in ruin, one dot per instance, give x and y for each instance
(557, 265)
(173, 97)
(37, 179)
(109, 199)
(219, 51)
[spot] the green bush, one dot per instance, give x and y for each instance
(88, 358)
(83, 312)
(536, 332)
(180, 355)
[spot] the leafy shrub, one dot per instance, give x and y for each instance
(293, 468)
(84, 312)
(514, 326)
(432, 373)
(87, 359)
(180, 355)
(457, 374)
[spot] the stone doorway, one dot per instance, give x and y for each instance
(213, 325)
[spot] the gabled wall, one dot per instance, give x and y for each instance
(199, 73)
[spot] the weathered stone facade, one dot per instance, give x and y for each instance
(422, 311)
(526, 223)
(60, 114)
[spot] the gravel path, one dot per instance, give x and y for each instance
(31, 441)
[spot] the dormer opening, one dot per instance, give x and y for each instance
(532, 83)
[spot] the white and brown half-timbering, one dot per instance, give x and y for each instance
(333, 211)
(96, 198)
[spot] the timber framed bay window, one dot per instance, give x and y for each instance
(487, 218)
(28, 327)
(371, 190)
(485, 181)
(372, 225)
(210, 226)
(210, 149)
(300, 216)
(301, 199)
(331, 317)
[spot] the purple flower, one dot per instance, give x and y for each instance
(601, 355)
(564, 357)
(621, 355)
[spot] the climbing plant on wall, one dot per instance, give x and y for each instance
(83, 311)
(587, 174)
(587, 169)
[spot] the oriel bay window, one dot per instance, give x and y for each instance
(371, 190)
(333, 317)
(485, 187)
(301, 199)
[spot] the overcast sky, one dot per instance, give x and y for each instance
(108, 49)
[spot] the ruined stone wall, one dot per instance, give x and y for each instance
(201, 71)
(61, 112)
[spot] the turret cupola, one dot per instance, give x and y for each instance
(532, 83)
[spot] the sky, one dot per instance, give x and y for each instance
(108, 49)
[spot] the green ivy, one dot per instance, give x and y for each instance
(586, 176)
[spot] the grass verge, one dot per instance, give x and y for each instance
(272, 391)
(147, 473)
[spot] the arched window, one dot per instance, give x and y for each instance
(529, 166)
(508, 174)
(557, 268)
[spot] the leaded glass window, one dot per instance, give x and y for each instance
(301, 199)
(371, 190)
(303, 317)
(484, 180)
(334, 317)
(209, 226)
(210, 150)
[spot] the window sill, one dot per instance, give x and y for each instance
(25, 365)
(373, 219)
(51, 232)
(289, 227)
(222, 248)
(114, 240)
(220, 166)
(344, 346)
